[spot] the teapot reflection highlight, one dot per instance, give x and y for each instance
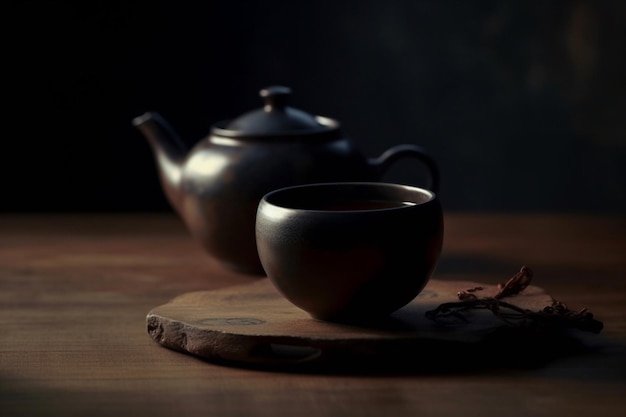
(216, 186)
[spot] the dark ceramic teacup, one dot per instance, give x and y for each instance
(349, 251)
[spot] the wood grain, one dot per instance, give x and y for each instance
(75, 291)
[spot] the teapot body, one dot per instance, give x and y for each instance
(217, 185)
(223, 180)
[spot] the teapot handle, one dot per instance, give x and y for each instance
(391, 155)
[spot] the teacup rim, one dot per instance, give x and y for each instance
(430, 194)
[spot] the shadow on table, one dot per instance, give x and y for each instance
(504, 349)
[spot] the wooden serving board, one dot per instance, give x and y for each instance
(253, 325)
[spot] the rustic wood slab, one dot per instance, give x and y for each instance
(253, 325)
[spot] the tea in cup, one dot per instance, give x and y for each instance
(349, 251)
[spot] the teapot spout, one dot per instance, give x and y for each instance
(169, 152)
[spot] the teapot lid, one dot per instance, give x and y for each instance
(277, 119)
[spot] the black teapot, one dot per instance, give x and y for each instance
(217, 185)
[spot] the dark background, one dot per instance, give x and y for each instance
(522, 103)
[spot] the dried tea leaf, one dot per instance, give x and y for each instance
(516, 284)
(555, 315)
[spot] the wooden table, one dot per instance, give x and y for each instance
(75, 290)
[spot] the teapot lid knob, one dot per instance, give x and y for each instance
(275, 97)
